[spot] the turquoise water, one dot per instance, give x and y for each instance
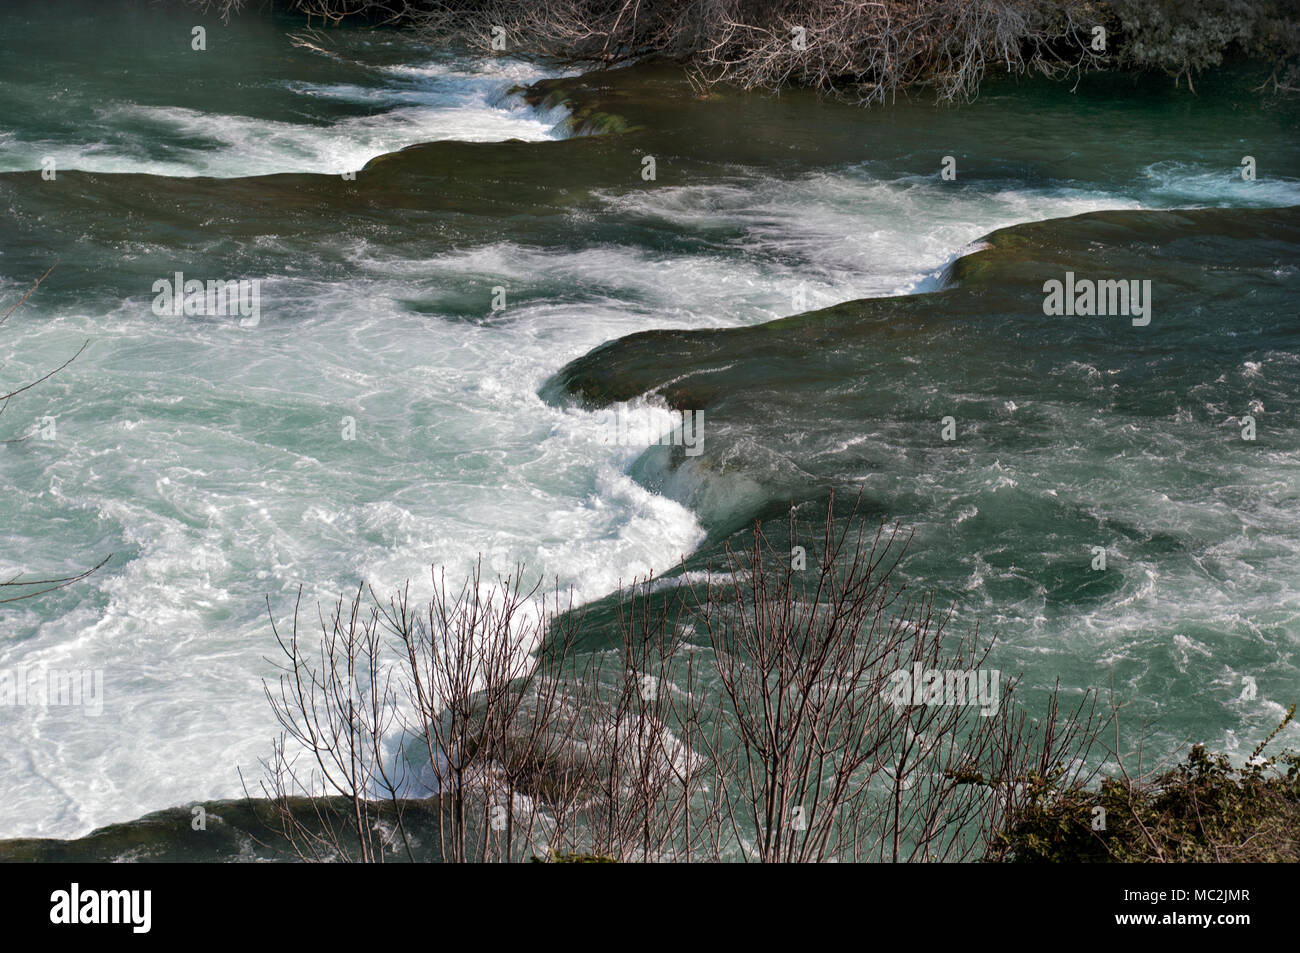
(216, 461)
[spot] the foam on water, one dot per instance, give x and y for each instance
(845, 235)
(416, 104)
(220, 480)
(1194, 184)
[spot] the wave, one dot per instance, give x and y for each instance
(1070, 435)
(400, 106)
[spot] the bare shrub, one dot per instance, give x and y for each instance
(747, 717)
(866, 50)
(827, 762)
(869, 51)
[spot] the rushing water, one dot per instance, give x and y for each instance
(382, 416)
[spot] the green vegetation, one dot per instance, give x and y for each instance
(1186, 37)
(1203, 810)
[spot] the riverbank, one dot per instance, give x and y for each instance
(868, 53)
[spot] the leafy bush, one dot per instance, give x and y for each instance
(1185, 37)
(1203, 810)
